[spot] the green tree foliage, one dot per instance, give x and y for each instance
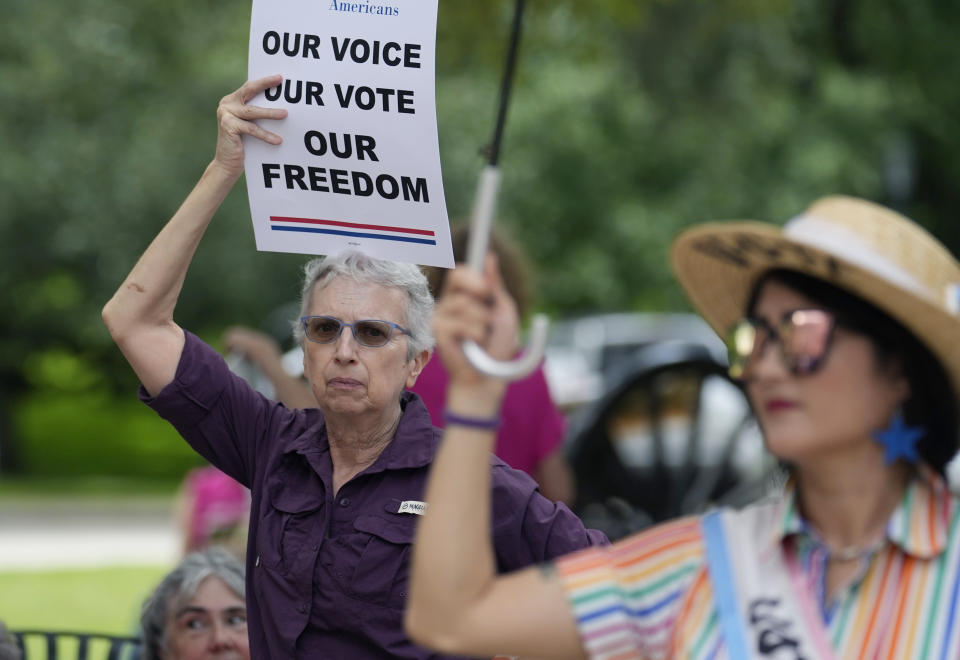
(108, 119)
(630, 120)
(680, 112)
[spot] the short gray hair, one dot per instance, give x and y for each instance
(362, 268)
(180, 585)
(9, 650)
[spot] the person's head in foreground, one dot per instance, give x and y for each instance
(841, 325)
(198, 611)
(383, 310)
(844, 328)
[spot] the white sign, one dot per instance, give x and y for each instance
(359, 167)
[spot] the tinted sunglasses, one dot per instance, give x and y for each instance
(804, 336)
(327, 329)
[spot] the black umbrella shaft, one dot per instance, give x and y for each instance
(507, 81)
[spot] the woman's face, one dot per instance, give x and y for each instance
(350, 379)
(212, 624)
(835, 408)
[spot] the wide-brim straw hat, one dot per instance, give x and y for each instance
(856, 245)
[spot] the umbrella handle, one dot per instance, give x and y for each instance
(477, 245)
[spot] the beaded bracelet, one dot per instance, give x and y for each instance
(488, 424)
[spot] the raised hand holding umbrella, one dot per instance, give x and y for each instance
(481, 221)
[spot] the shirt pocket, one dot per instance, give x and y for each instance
(290, 526)
(382, 572)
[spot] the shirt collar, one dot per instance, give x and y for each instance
(415, 442)
(413, 445)
(919, 525)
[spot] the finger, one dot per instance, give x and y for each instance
(452, 331)
(251, 88)
(466, 311)
(251, 112)
(235, 126)
(494, 279)
(264, 134)
(231, 110)
(491, 269)
(465, 280)
(236, 103)
(463, 308)
(460, 298)
(234, 335)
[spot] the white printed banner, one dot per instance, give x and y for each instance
(359, 167)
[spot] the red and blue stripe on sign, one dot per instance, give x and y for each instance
(354, 229)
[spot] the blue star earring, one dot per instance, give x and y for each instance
(900, 440)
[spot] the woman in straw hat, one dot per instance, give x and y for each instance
(845, 333)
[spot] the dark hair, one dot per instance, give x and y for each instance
(932, 403)
(513, 268)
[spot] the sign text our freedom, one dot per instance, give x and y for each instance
(346, 96)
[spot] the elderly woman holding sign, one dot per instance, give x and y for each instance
(336, 491)
(844, 328)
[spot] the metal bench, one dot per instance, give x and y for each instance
(66, 645)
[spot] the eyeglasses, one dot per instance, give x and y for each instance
(804, 336)
(327, 329)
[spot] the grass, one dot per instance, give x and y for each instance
(104, 600)
(101, 600)
(88, 450)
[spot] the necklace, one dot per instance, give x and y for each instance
(851, 552)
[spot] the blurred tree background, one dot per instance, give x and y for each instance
(630, 119)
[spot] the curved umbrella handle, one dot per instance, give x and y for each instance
(477, 246)
(519, 367)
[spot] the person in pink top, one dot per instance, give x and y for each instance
(531, 430)
(531, 426)
(213, 510)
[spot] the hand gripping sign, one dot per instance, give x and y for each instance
(359, 167)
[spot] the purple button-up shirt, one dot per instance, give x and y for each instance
(327, 572)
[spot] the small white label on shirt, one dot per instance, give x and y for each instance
(413, 506)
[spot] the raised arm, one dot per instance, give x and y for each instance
(264, 352)
(457, 603)
(139, 316)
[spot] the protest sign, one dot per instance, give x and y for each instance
(359, 167)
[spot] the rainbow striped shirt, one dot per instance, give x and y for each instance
(650, 595)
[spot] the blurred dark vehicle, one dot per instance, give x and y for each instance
(668, 434)
(584, 352)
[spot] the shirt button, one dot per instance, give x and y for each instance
(302, 609)
(316, 547)
(344, 501)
